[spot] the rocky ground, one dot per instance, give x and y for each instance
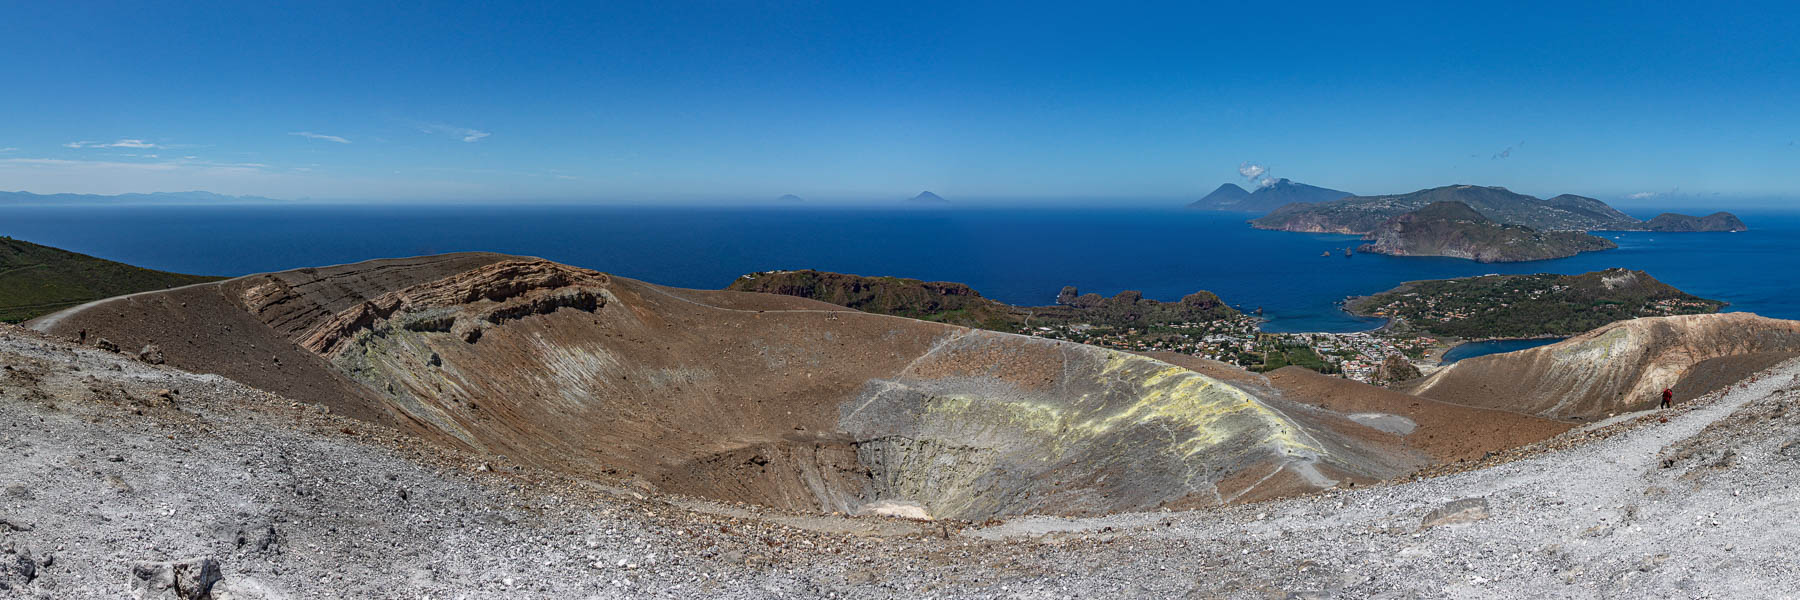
(113, 466)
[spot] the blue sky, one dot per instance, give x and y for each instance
(745, 101)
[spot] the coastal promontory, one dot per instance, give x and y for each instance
(1673, 222)
(1524, 306)
(1455, 230)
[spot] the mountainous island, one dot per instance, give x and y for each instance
(1230, 197)
(1672, 222)
(1568, 212)
(1455, 230)
(37, 280)
(927, 198)
(1525, 306)
(1363, 214)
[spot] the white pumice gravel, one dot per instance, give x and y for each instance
(1704, 505)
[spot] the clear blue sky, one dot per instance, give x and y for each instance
(702, 102)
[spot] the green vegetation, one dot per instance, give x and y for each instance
(1504, 306)
(1454, 229)
(958, 304)
(1300, 355)
(1365, 214)
(37, 280)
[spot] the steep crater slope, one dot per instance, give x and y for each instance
(758, 398)
(1619, 367)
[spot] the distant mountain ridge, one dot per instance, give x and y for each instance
(1456, 230)
(1672, 222)
(193, 197)
(1230, 197)
(927, 198)
(1364, 214)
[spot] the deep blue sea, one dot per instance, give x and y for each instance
(1020, 256)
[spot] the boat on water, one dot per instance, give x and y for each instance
(1347, 253)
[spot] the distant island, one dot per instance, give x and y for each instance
(1455, 230)
(1230, 197)
(1526, 306)
(958, 304)
(1364, 214)
(1719, 221)
(195, 197)
(789, 199)
(1568, 212)
(1200, 324)
(37, 280)
(927, 198)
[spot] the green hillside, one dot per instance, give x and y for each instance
(37, 280)
(958, 304)
(1546, 304)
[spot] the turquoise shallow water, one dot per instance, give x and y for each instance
(1021, 256)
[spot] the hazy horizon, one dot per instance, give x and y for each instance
(694, 104)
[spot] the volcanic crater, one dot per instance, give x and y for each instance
(790, 403)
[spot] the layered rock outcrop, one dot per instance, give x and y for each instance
(1620, 367)
(750, 397)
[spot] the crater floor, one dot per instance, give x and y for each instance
(113, 463)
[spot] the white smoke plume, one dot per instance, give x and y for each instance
(1251, 170)
(1266, 182)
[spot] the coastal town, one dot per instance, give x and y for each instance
(1240, 341)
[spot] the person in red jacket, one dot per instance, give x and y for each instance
(1668, 398)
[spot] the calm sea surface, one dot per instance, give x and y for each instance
(1474, 349)
(1020, 256)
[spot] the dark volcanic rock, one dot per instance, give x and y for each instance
(1396, 368)
(190, 579)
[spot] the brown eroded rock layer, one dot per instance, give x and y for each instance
(769, 399)
(1620, 367)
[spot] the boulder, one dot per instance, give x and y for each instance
(1466, 510)
(23, 566)
(106, 344)
(151, 354)
(1396, 368)
(190, 579)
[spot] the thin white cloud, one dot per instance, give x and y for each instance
(58, 175)
(9, 149)
(124, 143)
(1641, 195)
(320, 136)
(467, 134)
